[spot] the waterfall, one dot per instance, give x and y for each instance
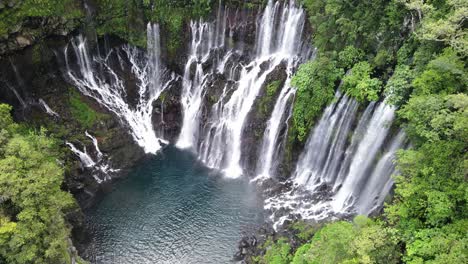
(18, 96)
(205, 38)
(97, 78)
(279, 33)
(334, 176)
(47, 108)
(99, 167)
(95, 143)
(292, 18)
(380, 182)
(325, 147)
(269, 151)
(376, 131)
(85, 159)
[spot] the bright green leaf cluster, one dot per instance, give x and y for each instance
(32, 204)
(315, 83)
(363, 241)
(359, 84)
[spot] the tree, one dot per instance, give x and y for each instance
(359, 84)
(32, 204)
(363, 241)
(445, 74)
(399, 88)
(315, 83)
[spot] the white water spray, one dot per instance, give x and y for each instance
(278, 41)
(334, 177)
(108, 89)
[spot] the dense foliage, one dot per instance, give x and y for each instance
(413, 54)
(32, 204)
(127, 19)
(315, 82)
(13, 13)
(362, 241)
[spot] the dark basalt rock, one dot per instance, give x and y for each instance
(33, 29)
(258, 117)
(248, 245)
(167, 112)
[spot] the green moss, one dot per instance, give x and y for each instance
(81, 112)
(277, 252)
(36, 55)
(304, 230)
(12, 17)
(267, 99)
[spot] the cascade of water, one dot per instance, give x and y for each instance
(205, 38)
(292, 18)
(85, 159)
(318, 165)
(100, 168)
(278, 41)
(95, 143)
(364, 157)
(47, 108)
(18, 96)
(268, 153)
(380, 182)
(357, 179)
(97, 79)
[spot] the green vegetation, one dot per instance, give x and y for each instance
(276, 252)
(267, 99)
(32, 204)
(81, 112)
(315, 82)
(419, 67)
(12, 17)
(359, 84)
(363, 241)
(121, 18)
(127, 19)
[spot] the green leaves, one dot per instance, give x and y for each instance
(359, 84)
(398, 87)
(431, 118)
(445, 74)
(32, 225)
(315, 83)
(363, 241)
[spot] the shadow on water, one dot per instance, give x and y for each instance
(171, 209)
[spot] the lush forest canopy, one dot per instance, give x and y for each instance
(412, 54)
(32, 204)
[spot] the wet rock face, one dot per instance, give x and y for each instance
(249, 245)
(33, 29)
(258, 117)
(167, 112)
(37, 73)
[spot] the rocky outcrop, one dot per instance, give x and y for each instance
(258, 117)
(167, 112)
(23, 32)
(33, 79)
